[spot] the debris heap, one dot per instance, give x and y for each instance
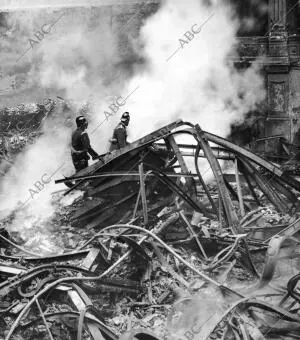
(170, 256)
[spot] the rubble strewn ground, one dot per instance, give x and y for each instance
(180, 260)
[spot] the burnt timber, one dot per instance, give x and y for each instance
(117, 177)
(146, 200)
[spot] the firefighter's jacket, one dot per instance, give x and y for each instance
(81, 147)
(119, 138)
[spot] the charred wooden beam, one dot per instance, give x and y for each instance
(204, 186)
(248, 179)
(239, 190)
(143, 193)
(81, 301)
(99, 220)
(97, 210)
(215, 166)
(220, 153)
(198, 206)
(201, 155)
(50, 258)
(280, 187)
(273, 250)
(133, 176)
(180, 159)
(254, 158)
(193, 234)
(93, 255)
(265, 188)
(111, 184)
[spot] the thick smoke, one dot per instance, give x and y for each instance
(198, 83)
(80, 59)
(76, 61)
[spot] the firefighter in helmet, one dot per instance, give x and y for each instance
(119, 138)
(80, 145)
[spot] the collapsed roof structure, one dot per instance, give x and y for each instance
(160, 160)
(145, 206)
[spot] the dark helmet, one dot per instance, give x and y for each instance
(125, 117)
(80, 121)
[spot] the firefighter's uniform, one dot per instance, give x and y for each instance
(119, 138)
(80, 149)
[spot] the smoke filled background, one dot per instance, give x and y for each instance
(197, 84)
(93, 56)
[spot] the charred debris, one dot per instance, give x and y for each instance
(170, 256)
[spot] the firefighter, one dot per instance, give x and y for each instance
(80, 145)
(119, 138)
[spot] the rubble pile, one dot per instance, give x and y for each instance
(163, 254)
(20, 126)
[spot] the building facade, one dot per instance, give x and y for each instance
(274, 42)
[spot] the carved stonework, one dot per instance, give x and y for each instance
(278, 49)
(252, 48)
(280, 52)
(293, 51)
(278, 33)
(277, 96)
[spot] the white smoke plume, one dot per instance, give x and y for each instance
(75, 62)
(79, 60)
(198, 83)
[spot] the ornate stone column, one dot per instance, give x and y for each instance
(277, 33)
(277, 12)
(277, 67)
